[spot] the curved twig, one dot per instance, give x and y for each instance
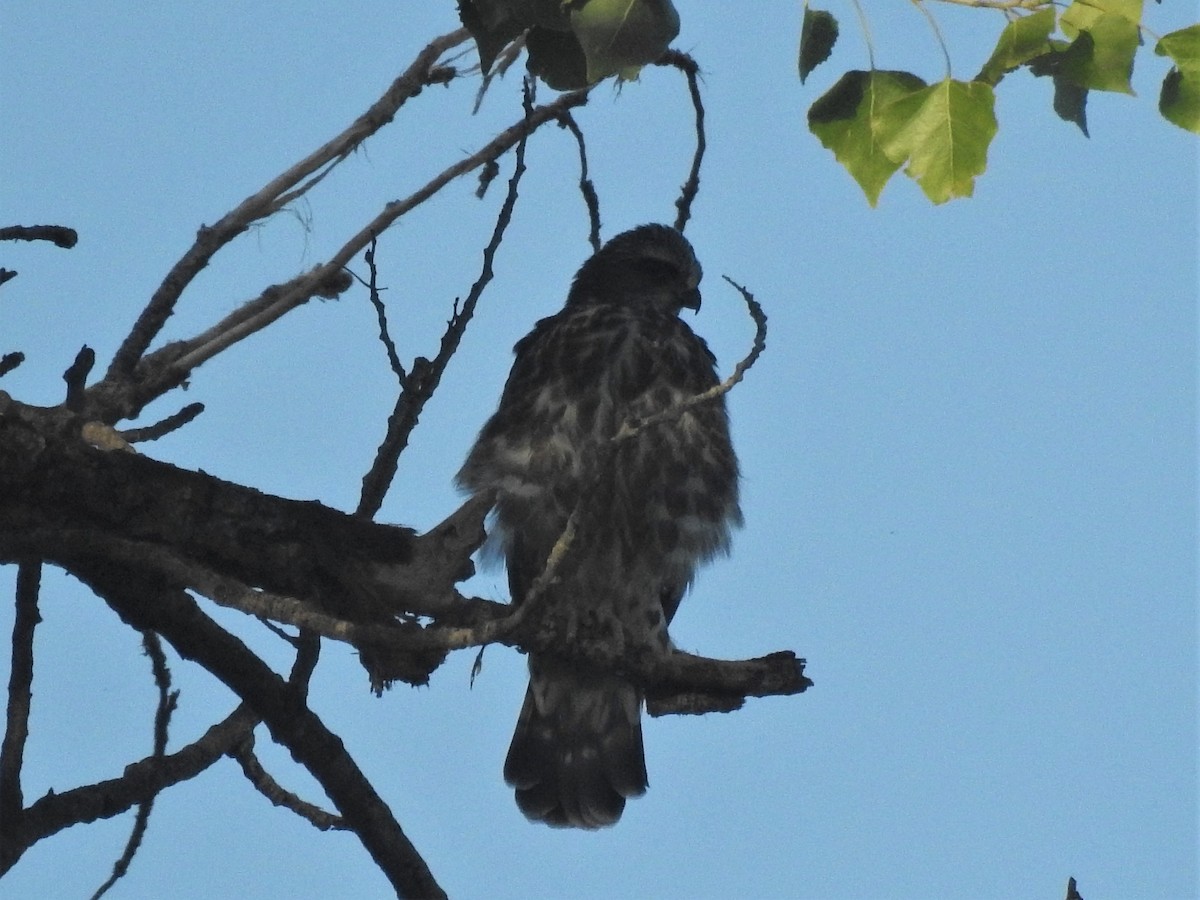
(684, 63)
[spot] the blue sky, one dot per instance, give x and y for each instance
(969, 455)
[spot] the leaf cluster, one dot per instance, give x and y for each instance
(576, 43)
(877, 121)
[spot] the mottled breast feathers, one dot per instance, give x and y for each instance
(650, 508)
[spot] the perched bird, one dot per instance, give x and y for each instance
(651, 508)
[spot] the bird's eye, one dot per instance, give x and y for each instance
(657, 269)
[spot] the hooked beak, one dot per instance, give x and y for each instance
(691, 299)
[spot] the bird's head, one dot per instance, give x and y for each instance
(651, 265)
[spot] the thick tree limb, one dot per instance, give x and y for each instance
(144, 604)
(301, 563)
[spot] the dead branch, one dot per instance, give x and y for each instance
(145, 604)
(274, 196)
(139, 782)
(688, 66)
(424, 376)
(58, 235)
(122, 394)
(244, 755)
(20, 696)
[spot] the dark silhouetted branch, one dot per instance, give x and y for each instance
(10, 361)
(162, 719)
(76, 377)
(691, 186)
(105, 799)
(170, 612)
(166, 426)
(122, 395)
(424, 376)
(20, 695)
(275, 195)
(243, 754)
(586, 187)
(58, 235)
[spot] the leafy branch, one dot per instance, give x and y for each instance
(876, 122)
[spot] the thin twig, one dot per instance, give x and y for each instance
(143, 779)
(865, 25)
(171, 423)
(273, 791)
(381, 313)
(1003, 4)
(162, 718)
(691, 186)
(273, 196)
(424, 376)
(937, 32)
(170, 366)
(631, 427)
(586, 187)
(174, 615)
(20, 694)
(10, 361)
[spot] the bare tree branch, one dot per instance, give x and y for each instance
(243, 753)
(381, 312)
(116, 397)
(425, 376)
(76, 377)
(691, 187)
(586, 187)
(20, 693)
(58, 235)
(175, 616)
(630, 428)
(171, 423)
(139, 782)
(274, 196)
(162, 718)
(10, 361)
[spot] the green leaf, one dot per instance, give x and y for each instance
(818, 34)
(1082, 14)
(620, 36)
(1179, 101)
(1107, 64)
(943, 133)
(1183, 47)
(1070, 100)
(845, 118)
(1020, 41)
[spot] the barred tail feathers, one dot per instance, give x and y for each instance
(576, 754)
